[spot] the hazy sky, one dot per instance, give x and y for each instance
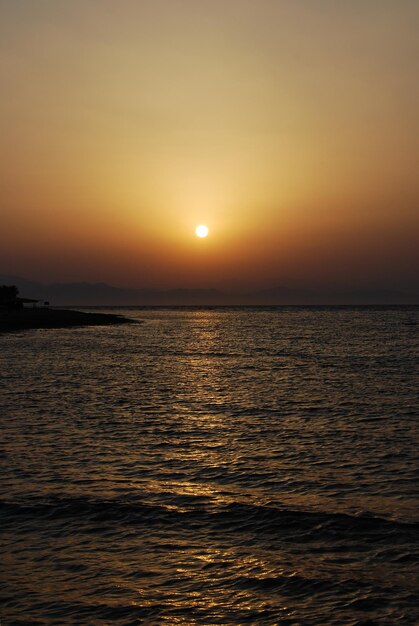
(289, 127)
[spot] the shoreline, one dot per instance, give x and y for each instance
(30, 319)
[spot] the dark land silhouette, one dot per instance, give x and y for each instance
(15, 316)
(24, 319)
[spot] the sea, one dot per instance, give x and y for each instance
(212, 466)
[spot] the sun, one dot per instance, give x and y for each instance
(201, 231)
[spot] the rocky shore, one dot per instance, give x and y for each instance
(25, 319)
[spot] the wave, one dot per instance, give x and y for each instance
(236, 517)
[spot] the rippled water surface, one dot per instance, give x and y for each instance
(250, 466)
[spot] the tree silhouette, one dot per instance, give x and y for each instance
(8, 293)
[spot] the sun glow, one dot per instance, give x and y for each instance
(201, 231)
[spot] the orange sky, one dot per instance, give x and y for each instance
(289, 127)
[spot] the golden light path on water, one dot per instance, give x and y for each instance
(183, 470)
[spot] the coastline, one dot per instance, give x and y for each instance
(28, 319)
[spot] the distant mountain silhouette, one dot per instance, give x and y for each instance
(102, 294)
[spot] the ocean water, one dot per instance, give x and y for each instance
(212, 466)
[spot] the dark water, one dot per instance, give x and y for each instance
(212, 467)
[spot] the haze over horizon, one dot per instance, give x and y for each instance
(104, 294)
(289, 128)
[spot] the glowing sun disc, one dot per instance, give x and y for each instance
(201, 231)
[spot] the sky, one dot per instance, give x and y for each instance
(288, 127)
